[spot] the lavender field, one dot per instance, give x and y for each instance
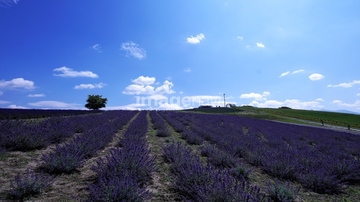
(174, 156)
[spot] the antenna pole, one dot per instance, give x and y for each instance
(224, 99)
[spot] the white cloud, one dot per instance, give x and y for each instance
(167, 106)
(16, 107)
(143, 85)
(346, 85)
(255, 96)
(260, 45)
(358, 94)
(68, 72)
(133, 49)
(55, 104)
(134, 106)
(288, 72)
(319, 100)
(4, 102)
(17, 83)
(165, 88)
(36, 95)
(135, 89)
(195, 39)
(355, 105)
(187, 70)
(292, 103)
(284, 74)
(97, 47)
(90, 86)
(316, 77)
(197, 100)
(298, 71)
(240, 38)
(144, 80)
(6, 3)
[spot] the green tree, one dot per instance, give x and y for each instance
(95, 102)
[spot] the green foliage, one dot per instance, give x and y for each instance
(95, 102)
(333, 118)
(282, 192)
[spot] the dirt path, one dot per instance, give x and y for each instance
(18, 162)
(161, 185)
(325, 126)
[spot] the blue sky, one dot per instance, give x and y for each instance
(168, 54)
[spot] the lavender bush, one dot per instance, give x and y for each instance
(27, 185)
(282, 192)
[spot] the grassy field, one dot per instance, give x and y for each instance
(290, 115)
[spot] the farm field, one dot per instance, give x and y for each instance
(310, 117)
(174, 156)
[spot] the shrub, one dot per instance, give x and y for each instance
(62, 160)
(24, 138)
(133, 163)
(164, 132)
(27, 185)
(282, 192)
(281, 164)
(117, 189)
(241, 172)
(192, 138)
(320, 181)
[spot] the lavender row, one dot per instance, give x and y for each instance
(183, 126)
(65, 158)
(123, 175)
(321, 160)
(27, 135)
(158, 123)
(197, 182)
(22, 135)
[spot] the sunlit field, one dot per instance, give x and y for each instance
(173, 156)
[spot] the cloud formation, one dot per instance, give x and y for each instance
(17, 83)
(195, 39)
(54, 104)
(240, 38)
(68, 72)
(144, 86)
(16, 107)
(355, 105)
(316, 77)
(90, 86)
(6, 3)
(260, 45)
(292, 103)
(4, 102)
(132, 49)
(36, 95)
(97, 48)
(289, 72)
(187, 70)
(255, 96)
(346, 85)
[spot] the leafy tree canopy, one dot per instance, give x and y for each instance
(95, 102)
